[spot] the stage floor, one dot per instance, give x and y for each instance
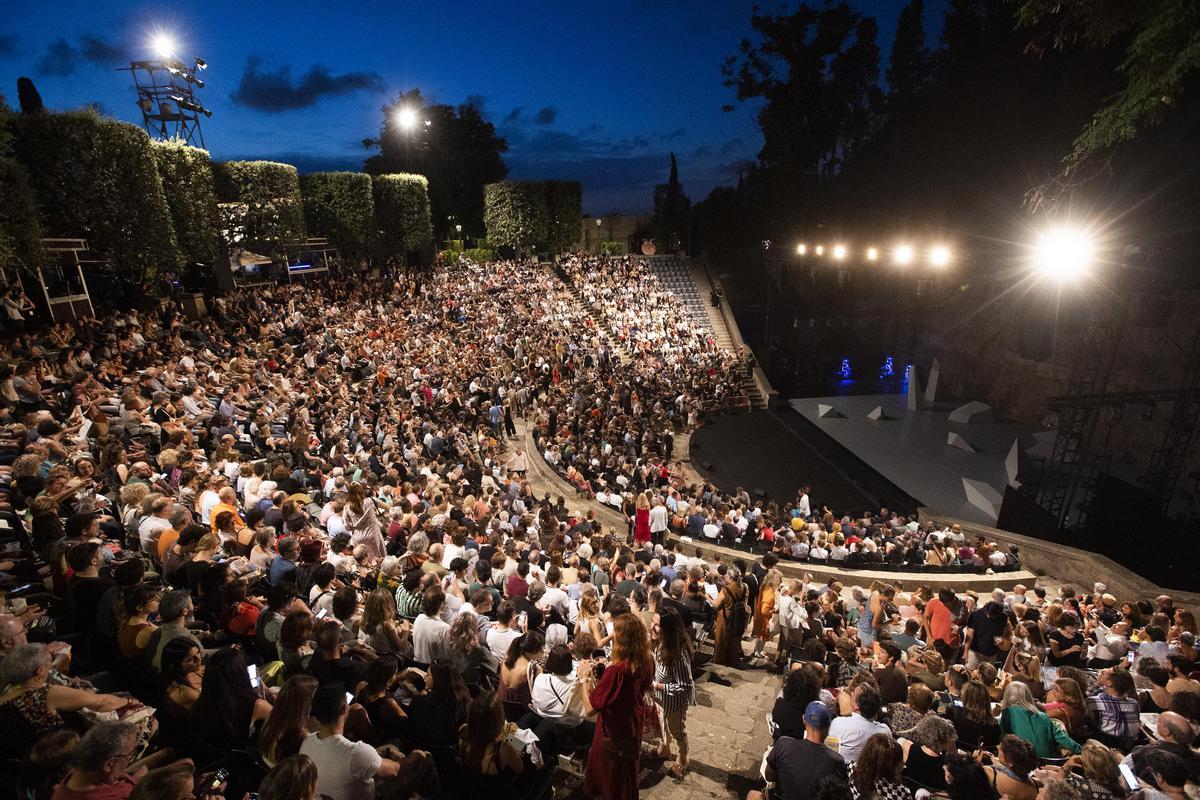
(779, 452)
(910, 449)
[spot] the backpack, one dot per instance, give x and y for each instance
(739, 616)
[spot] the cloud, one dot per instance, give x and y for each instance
(98, 51)
(546, 115)
(275, 90)
(673, 135)
(731, 147)
(593, 128)
(8, 45)
(60, 58)
(703, 151)
(514, 116)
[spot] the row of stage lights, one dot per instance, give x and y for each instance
(1060, 254)
(902, 254)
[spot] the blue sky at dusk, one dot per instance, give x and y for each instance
(600, 93)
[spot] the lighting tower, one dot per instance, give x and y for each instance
(166, 93)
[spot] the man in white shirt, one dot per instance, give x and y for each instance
(803, 505)
(348, 770)
(152, 526)
(853, 731)
(555, 598)
(431, 634)
(658, 520)
(1111, 644)
(503, 631)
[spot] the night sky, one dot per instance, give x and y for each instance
(600, 93)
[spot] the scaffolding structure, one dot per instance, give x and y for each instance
(166, 95)
(1070, 476)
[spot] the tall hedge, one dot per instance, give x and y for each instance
(19, 225)
(564, 214)
(514, 213)
(187, 178)
(341, 207)
(96, 178)
(260, 205)
(402, 214)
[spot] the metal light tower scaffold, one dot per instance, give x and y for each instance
(166, 95)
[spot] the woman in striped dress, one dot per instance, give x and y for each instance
(674, 689)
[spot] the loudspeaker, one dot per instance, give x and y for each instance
(706, 464)
(223, 274)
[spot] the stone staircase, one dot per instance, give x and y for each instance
(721, 333)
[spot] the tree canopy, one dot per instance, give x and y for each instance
(458, 152)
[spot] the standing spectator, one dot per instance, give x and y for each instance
(674, 689)
(614, 760)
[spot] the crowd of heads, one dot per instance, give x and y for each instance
(221, 526)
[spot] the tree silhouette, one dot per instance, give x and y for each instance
(458, 151)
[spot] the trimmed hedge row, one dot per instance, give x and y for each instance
(341, 207)
(533, 214)
(96, 178)
(187, 179)
(260, 205)
(402, 214)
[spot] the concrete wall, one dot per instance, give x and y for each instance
(1071, 565)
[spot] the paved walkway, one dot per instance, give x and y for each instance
(727, 734)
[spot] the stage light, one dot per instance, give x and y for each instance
(820, 250)
(163, 44)
(904, 254)
(872, 254)
(939, 256)
(839, 251)
(1064, 253)
(406, 118)
(801, 249)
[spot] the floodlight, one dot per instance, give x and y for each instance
(839, 251)
(939, 256)
(163, 44)
(406, 118)
(872, 254)
(904, 254)
(820, 250)
(1064, 253)
(801, 249)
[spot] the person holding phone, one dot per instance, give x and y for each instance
(348, 770)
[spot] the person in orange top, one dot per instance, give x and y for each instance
(229, 502)
(180, 519)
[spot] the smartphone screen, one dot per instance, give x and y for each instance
(252, 671)
(349, 697)
(1130, 781)
(1129, 657)
(321, 614)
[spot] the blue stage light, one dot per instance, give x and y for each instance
(845, 370)
(888, 370)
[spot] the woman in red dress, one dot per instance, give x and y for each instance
(619, 701)
(641, 520)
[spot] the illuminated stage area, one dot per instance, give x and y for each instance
(957, 467)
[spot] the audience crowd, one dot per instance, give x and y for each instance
(291, 548)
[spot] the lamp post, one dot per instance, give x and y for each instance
(599, 222)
